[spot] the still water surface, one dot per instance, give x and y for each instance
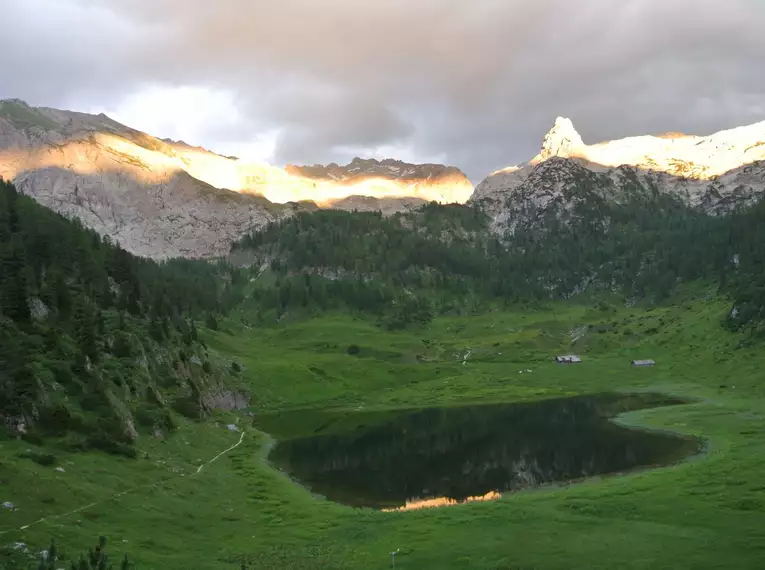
(438, 456)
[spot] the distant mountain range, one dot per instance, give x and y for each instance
(426, 181)
(162, 198)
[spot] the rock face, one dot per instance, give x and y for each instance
(386, 180)
(562, 140)
(161, 198)
(716, 173)
(123, 183)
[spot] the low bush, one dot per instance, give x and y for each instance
(44, 459)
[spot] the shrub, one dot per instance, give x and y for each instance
(154, 417)
(144, 417)
(62, 373)
(103, 442)
(188, 406)
(96, 558)
(211, 322)
(44, 459)
(32, 437)
(122, 347)
(353, 349)
(59, 419)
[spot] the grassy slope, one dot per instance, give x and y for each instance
(705, 513)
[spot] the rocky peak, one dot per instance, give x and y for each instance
(561, 140)
(716, 172)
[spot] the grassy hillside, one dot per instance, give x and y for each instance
(637, 245)
(704, 513)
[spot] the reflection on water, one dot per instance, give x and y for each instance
(442, 502)
(441, 456)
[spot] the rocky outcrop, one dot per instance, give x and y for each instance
(562, 140)
(177, 217)
(387, 206)
(389, 179)
(716, 173)
(223, 398)
(161, 198)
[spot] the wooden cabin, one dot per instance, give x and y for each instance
(568, 359)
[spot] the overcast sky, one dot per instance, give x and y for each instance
(472, 83)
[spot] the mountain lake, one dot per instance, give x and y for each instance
(407, 459)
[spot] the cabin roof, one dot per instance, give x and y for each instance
(569, 357)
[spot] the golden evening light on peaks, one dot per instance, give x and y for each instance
(151, 163)
(699, 157)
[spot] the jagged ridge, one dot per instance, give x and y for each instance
(716, 173)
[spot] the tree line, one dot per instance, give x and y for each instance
(445, 258)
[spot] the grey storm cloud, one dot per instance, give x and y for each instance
(477, 82)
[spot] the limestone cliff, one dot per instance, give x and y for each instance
(162, 198)
(716, 173)
(138, 190)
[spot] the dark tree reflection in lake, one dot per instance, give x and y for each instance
(444, 455)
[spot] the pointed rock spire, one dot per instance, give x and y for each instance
(561, 140)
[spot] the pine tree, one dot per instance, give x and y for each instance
(47, 560)
(13, 286)
(156, 331)
(63, 296)
(85, 328)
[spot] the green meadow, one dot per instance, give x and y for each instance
(704, 512)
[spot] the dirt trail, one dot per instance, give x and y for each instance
(125, 492)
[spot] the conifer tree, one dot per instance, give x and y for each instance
(47, 559)
(13, 283)
(85, 328)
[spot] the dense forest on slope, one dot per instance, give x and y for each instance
(404, 266)
(746, 282)
(93, 339)
(639, 247)
(445, 258)
(642, 246)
